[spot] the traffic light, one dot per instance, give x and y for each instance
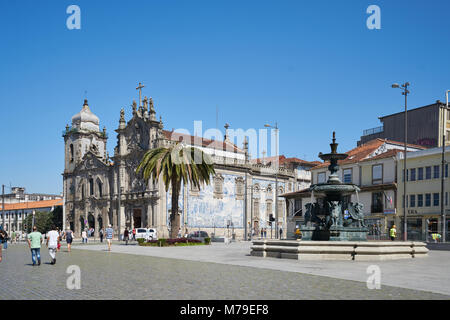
(271, 218)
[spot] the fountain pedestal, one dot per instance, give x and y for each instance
(334, 233)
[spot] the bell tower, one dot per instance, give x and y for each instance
(83, 136)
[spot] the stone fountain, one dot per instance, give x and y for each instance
(331, 217)
(333, 227)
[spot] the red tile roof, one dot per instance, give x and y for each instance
(363, 151)
(33, 204)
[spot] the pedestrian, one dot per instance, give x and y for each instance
(393, 232)
(134, 234)
(101, 234)
(5, 239)
(109, 236)
(52, 243)
(126, 236)
(265, 232)
(262, 233)
(84, 236)
(69, 238)
(34, 243)
(281, 233)
(58, 247)
(0, 253)
(179, 233)
(13, 236)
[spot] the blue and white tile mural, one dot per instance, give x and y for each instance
(264, 193)
(204, 211)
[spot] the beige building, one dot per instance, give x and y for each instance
(373, 168)
(423, 193)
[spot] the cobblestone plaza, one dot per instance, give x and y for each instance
(211, 272)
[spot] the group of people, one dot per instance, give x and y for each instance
(52, 239)
(127, 234)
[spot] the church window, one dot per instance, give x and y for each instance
(71, 152)
(91, 187)
(100, 191)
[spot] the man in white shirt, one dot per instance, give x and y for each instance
(52, 243)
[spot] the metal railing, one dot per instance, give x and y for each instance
(373, 130)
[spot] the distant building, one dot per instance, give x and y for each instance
(14, 215)
(18, 195)
(423, 193)
(424, 127)
(373, 168)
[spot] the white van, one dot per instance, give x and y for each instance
(140, 233)
(151, 234)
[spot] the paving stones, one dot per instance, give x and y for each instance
(110, 275)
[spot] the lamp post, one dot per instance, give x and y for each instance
(276, 176)
(405, 92)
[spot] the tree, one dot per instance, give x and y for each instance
(42, 221)
(176, 165)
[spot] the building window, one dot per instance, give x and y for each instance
(377, 202)
(91, 187)
(428, 173)
(71, 153)
(427, 199)
(413, 174)
(420, 200)
(377, 174)
(321, 177)
(420, 174)
(412, 200)
(436, 172)
(435, 199)
(100, 191)
(347, 173)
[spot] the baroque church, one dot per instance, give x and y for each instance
(101, 190)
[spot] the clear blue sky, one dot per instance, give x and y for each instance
(312, 66)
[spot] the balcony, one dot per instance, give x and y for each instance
(368, 132)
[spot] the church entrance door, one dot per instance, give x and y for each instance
(137, 216)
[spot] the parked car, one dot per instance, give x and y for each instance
(151, 234)
(140, 233)
(198, 235)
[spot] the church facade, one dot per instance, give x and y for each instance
(101, 190)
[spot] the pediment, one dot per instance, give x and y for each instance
(90, 161)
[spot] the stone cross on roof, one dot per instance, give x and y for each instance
(140, 93)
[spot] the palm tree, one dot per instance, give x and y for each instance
(177, 164)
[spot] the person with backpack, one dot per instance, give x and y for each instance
(101, 234)
(69, 238)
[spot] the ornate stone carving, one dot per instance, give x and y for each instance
(218, 186)
(240, 188)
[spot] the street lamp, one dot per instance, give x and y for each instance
(405, 91)
(276, 175)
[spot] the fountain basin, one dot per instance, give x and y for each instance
(324, 189)
(339, 250)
